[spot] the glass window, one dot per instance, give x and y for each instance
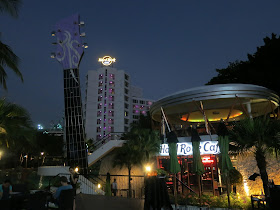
(111, 98)
(126, 91)
(111, 129)
(126, 98)
(98, 129)
(100, 76)
(99, 113)
(126, 113)
(100, 84)
(99, 98)
(112, 83)
(126, 83)
(126, 76)
(111, 106)
(112, 91)
(126, 121)
(100, 90)
(98, 121)
(112, 76)
(111, 121)
(126, 105)
(99, 106)
(111, 113)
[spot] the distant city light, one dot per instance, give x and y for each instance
(40, 127)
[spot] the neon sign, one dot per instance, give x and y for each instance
(207, 160)
(107, 60)
(185, 148)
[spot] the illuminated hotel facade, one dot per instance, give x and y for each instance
(111, 102)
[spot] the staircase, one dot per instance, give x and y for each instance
(86, 186)
(104, 150)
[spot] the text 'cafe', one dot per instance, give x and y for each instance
(208, 150)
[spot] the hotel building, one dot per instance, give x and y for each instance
(111, 102)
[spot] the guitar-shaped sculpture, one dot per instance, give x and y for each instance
(69, 53)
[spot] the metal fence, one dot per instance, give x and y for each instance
(90, 184)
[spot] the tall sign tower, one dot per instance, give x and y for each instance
(69, 53)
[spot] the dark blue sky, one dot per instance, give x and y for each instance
(165, 46)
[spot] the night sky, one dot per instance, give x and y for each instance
(165, 46)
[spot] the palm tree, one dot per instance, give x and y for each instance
(15, 125)
(142, 144)
(7, 57)
(10, 60)
(260, 136)
(10, 6)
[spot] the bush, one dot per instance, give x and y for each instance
(237, 202)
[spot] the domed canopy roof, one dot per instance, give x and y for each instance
(219, 101)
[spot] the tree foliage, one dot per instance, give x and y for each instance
(10, 6)
(261, 68)
(15, 126)
(260, 136)
(8, 58)
(141, 145)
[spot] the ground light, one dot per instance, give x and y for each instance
(148, 170)
(76, 169)
(99, 186)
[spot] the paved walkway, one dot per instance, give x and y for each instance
(101, 202)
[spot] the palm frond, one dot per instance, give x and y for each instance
(10, 6)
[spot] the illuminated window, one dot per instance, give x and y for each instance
(126, 113)
(112, 76)
(111, 113)
(112, 91)
(111, 98)
(111, 106)
(112, 84)
(100, 76)
(111, 129)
